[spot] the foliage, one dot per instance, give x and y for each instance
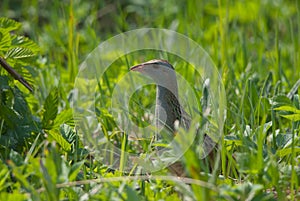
(255, 45)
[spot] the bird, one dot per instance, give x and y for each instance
(168, 111)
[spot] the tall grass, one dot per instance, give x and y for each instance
(254, 44)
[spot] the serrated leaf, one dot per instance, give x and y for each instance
(21, 41)
(64, 117)
(51, 109)
(9, 24)
(5, 40)
(57, 137)
(26, 74)
(9, 115)
(68, 133)
(19, 53)
(21, 107)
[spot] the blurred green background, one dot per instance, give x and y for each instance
(241, 36)
(255, 46)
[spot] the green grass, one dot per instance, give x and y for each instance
(255, 46)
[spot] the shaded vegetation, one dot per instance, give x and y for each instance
(254, 44)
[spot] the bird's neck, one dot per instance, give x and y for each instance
(167, 109)
(165, 94)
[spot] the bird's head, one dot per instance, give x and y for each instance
(161, 71)
(152, 65)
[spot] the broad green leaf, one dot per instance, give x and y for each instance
(288, 108)
(292, 117)
(68, 133)
(287, 151)
(74, 170)
(51, 109)
(57, 137)
(21, 107)
(64, 117)
(131, 194)
(283, 140)
(280, 100)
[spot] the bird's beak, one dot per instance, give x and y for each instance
(137, 67)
